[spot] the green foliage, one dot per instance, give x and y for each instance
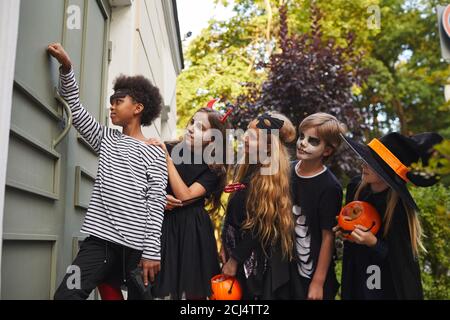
(441, 163)
(226, 55)
(404, 91)
(434, 204)
(411, 96)
(220, 61)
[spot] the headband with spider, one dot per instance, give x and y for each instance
(224, 109)
(267, 122)
(120, 94)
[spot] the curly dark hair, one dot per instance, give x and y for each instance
(142, 91)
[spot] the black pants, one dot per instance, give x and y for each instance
(100, 261)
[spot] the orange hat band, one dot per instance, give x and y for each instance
(391, 160)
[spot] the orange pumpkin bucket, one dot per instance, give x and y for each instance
(225, 288)
(359, 212)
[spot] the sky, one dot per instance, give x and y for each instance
(194, 15)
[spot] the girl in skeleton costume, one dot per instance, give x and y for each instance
(317, 197)
(257, 234)
(393, 252)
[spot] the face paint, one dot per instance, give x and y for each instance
(309, 145)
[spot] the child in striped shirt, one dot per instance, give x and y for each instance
(126, 209)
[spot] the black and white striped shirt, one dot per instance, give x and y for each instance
(129, 196)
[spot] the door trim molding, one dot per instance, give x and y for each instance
(48, 152)
(16, 131)
(79, 173)
(9, 26)
(53, 239)
(34, 97)
(173, 33)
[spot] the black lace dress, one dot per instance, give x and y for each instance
(263, 274)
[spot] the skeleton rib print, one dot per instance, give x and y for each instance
(302, 243)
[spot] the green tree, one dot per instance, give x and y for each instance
(434, 204)
(311, 74)
(220, 61)
(226, 56)
(405, 90)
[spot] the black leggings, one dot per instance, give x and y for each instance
(100, 261)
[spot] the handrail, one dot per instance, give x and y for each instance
(69, 118)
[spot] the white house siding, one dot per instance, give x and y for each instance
(141, 44)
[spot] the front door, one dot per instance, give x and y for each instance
(49, 183)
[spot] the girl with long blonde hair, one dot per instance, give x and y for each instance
(258, 231)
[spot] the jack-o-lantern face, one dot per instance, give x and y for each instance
(358, 213)
(225, 288)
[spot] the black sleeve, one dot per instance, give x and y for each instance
(245, 247)
(293, 180)
(329, 207)
(209, 180)
(169, 146)
(381, 249)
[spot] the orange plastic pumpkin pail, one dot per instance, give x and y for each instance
(359, 213)
(225, 288)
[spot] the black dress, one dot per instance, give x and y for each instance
(398, 268)
(189, 257)
(263, 274)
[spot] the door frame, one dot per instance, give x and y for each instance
(9, 26)
(9, 29)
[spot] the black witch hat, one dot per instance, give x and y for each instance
(392, 155)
